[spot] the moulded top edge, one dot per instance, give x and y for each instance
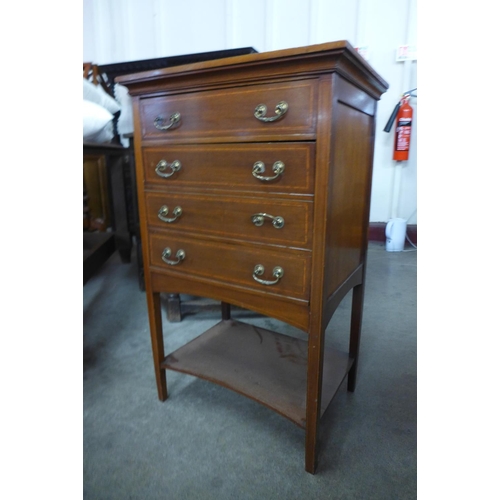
(330, 48)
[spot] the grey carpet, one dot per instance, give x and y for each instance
(206, 442)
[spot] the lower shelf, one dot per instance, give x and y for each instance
(268, 367)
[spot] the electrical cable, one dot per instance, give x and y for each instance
(411, 242)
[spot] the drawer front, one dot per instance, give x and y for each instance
(230, 112)
(232, 167)
(263, 220)
(234, 264)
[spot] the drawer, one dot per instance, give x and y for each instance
(234, 263)
(227, 166)
(263, 220)
(216, 114)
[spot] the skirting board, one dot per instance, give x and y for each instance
(376, 232)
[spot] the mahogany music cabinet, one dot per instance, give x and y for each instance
(254, 181)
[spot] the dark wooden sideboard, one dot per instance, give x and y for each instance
(108, 174)
(254, 182)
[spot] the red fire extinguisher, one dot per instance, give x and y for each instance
(403, 116)
(403, 130)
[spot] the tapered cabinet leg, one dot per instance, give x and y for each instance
(311, 458)
(356, 320)
(156, 330)
(313, 400)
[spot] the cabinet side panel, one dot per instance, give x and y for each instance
(350, 186)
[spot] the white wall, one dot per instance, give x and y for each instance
(127, 30)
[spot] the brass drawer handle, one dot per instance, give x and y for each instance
(259, 271)
(175, 166)
(258, 219)
(174, 121)
(259, 168)
(181, 254)
(163, 212)
(280, 110)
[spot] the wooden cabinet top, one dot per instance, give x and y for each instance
(311, 60)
